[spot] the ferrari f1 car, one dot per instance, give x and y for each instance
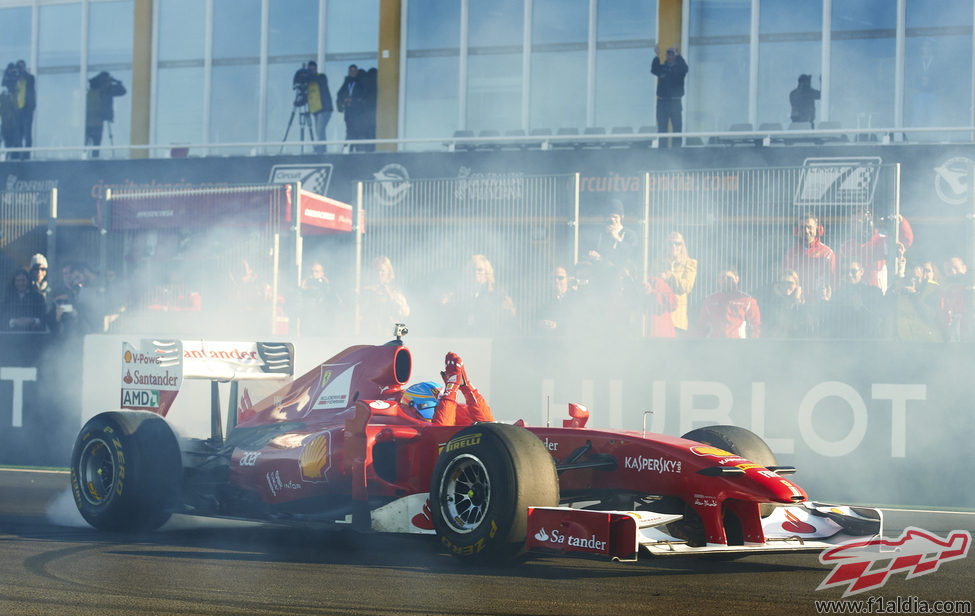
(336, 446)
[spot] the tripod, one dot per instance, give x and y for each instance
(304, 121)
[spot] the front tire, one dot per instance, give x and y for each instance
(485, 479)
(126, 471)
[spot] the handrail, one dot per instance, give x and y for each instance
(884, 135)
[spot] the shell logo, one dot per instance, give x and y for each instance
(702, 450)
(314, 459)
(127, 357)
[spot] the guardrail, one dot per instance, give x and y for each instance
(758, 137)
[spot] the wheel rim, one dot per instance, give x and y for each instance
(465, 493)
(96, 470)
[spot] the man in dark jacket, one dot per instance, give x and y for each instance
(26, 103)
(102, 90)
(803, 100)
(670, 89)
(350, 100)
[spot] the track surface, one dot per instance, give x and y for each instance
(53, 564)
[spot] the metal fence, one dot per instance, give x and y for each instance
(25, 219)
(431, 229)
(751, 218)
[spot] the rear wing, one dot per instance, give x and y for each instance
(153, 373)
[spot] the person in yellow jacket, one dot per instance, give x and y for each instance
(679, 271)
(319, 103)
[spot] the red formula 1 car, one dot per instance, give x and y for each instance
(336, 446)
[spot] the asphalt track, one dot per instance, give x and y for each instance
(52, 563)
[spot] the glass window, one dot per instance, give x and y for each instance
(59, 119)
(560, 40)
(717, 56)
(432, 67)
(179, 106)
(182, 25)
(110, 34)
(353, 26)
(790, 40)
(60, 36)
(626, 31)
(938, 66)
(233, 105)
(293, 28)
(431, 98)
(236, 29)
(433, 24)
(15, 34)
(494, 64)
(862, 63)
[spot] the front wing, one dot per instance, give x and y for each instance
(620, 535)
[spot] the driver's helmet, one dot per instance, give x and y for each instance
(422, 398)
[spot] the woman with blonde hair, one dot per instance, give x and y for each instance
(383, 303)
(679, 271)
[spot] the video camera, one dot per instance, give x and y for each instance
(299, 83)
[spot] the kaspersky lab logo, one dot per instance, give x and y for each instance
(861, 565)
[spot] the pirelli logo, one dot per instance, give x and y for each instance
(465, 441)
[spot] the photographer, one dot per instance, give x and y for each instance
(803, 100)
(9, 120)
(311, 88)
(102, 89)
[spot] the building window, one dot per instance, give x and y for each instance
(432, 70)
(559, 61)
(60, 116)
(718, 57)
(626, 31)
(790, 43)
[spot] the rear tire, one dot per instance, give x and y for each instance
(485, 479)
(126, 471)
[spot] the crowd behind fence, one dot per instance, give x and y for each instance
(512, 254)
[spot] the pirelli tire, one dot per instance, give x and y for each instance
(126, 471)
(741, 442)
(484, 481)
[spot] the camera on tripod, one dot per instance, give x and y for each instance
(302, 78)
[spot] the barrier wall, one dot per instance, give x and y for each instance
(881, 424)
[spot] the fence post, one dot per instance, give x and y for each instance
(575, 219)
(52, 226)
(357, 227)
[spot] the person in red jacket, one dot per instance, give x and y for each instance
(729, 313)
(868, 247)
(660, 305)
(813, 260)
(439, 405)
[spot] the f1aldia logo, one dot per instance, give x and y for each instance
(863, 565)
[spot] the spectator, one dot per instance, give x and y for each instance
(679, 271)
(70, 316)
(26, 99)
(478, 307)
(383, 303)
(917, 298)
(100, 107)
(803, 100)
(319, 102)
(319, 304)
(23, 306)
(615, 246)
(812, 260)
(784, 310)
(350, 101)
(868, 246)
(38, 274)
(856, 308)
(555, 315)
(9, 127)
(670, 89)
(729, 312)
(370, 95)
(659, 306)
(955, 300)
